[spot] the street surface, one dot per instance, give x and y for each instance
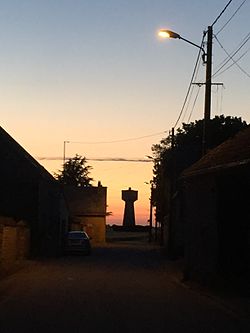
(120, 288)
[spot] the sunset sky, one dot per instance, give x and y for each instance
(95, 73)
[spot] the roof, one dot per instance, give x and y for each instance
(231, 153)
(13, 153)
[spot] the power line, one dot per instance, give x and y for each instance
(228, 67)
(231, 17)
(190, 84)
(230, 56)
(194, 103)
(117, 141)
(222, 12)
(219, 99)
(191, 93)
(222, 63)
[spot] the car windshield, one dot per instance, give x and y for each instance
(77, 235)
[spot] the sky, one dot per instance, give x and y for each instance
(95, 73)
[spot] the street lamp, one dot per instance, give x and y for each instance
(207, 108)
(168, 34)
(64, 150)
(171, 34)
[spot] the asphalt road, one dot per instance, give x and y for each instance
(120, 288)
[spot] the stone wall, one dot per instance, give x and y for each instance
(14, 243)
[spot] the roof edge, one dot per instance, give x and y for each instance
(214, 169)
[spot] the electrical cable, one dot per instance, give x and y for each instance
(230, 57)
(117, 141)
(231, 17)
(226, 60)
(190, 84)
(228, 67)
(195, 100)
(188, 102)
(191, 93)
(239, 45)
(222, 12)
(221, 99)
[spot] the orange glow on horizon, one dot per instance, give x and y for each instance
(118, 176)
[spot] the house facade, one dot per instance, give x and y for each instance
(87, 207)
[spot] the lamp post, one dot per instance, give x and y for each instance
(207, 109)
(150, 211)
(208, 55)
(64, 150)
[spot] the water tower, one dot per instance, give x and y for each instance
(129, 196)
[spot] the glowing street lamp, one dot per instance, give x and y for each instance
(171, 34)
(168, 34)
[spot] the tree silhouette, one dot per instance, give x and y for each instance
(187, 141)
(75, 172)
(174, 154)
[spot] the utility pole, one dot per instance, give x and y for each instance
(64, 151)
(150, 214)
(171, 201)
(207, 108)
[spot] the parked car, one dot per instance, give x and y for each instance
(77, 242)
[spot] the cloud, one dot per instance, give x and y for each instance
(101, 159)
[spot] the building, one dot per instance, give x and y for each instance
(29, 193)
(216, 211)
(87, 207)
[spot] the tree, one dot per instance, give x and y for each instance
(188, 141)
(75, 172)
(174, 154)
(186, 145)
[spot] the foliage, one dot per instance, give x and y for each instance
(75, 172)
(188, 141)
(174, 154)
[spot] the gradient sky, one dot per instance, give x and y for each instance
(95, 71)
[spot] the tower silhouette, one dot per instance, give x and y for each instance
(129, 196)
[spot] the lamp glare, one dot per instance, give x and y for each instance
(164, 34)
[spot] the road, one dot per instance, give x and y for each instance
(119, 288)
